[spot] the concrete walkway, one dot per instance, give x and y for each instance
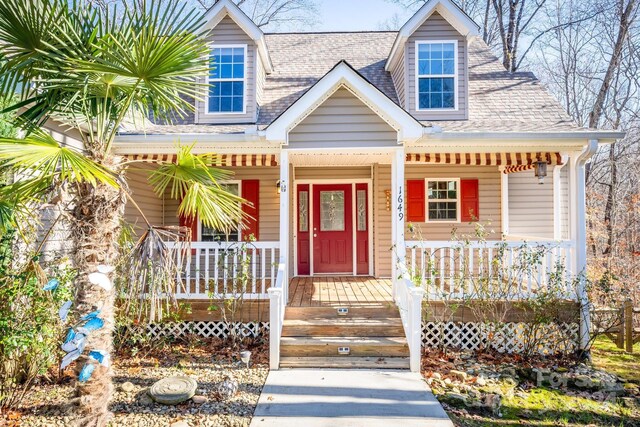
(347, 397)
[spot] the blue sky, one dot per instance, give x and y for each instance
(356, 15)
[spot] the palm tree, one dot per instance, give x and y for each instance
(92, 70)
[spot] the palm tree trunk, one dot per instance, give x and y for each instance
(96, 225)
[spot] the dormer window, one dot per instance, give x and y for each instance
(436, 75)
(227, 80)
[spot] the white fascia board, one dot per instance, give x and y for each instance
(604, 136)
(199, 147)
(449, 11)
(409, 129)
(227, 7)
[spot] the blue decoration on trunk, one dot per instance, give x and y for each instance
(64, 310)
(85, 372)
(93, 324)
(91, 315)
(51, 285)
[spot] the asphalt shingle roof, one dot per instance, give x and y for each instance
(499, 101)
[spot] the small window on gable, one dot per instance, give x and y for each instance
(208, 234)
(227, 80)
(436, 75)
(443, 200)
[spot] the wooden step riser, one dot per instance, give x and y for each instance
(342, 331)
(330, 350)
(332, 313)
(345, 362)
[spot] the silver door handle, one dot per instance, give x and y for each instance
(315, 235)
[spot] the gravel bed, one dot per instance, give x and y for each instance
(49, 405)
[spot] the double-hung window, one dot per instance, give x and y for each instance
(208, 234)
(436, 75)
(443, 200)
(227, 79)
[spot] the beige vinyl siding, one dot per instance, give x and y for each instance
(489, 191)
(399, 76)
(433, 29)
(143, 194)
(269, 215)
(381, 221)
(227, 32)
(564, 205)
(342, 120)
(530, 205)
(56, 230)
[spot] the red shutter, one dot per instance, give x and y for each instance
(470, 197)
(192, 223)
(251, 193)
(415, 200)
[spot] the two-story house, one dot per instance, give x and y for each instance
(339, 140)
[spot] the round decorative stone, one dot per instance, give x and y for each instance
(173, 390)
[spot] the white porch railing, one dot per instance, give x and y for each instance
(502, 269)
(409, 300)
(226, 269)
(277, 303)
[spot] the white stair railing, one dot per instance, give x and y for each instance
(409, 300)
(277, 304)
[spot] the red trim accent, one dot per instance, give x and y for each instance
(362, 236)
(304, 237)
(415, 200)
(251, 193)
(470, 200)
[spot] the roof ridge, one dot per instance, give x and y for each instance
(331, 32)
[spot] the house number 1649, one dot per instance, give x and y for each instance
(400, 205)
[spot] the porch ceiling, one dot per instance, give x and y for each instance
(338, 159)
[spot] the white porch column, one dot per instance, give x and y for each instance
(284, 219)
(397, 215)
(504, 201)
(557, 203)
(579, 233)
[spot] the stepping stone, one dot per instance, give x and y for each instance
(173, 390)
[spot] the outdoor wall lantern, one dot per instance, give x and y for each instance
(540, 171)
(387, 194)
(278, 186)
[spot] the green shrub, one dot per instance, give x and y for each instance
(30, 329)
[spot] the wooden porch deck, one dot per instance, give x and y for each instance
(337, 291)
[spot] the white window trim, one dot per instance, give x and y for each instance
(426, 201)
(243, 80)
(417, 75)
(231, 181)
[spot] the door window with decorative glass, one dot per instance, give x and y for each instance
(436, 75)
(227, 80)
(332, 211)
(208, 234)
(443, 200)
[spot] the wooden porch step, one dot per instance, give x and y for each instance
(387, 311)
(345, 362)
(328, 346)
(343, 327)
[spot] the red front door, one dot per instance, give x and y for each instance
(332, 228)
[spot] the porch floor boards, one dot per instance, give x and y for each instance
(336, 291)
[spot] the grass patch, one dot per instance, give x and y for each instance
(549, 407)
(608, 357)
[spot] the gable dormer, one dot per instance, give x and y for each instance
(429, 62)
(240, 62)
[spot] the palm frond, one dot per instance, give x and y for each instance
(40, 158)
(197, 185)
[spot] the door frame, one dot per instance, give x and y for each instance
(353, 182)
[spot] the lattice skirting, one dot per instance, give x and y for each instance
(508, 338)
(207, 329)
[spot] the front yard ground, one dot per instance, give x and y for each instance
(207, 363)
(501, 390)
